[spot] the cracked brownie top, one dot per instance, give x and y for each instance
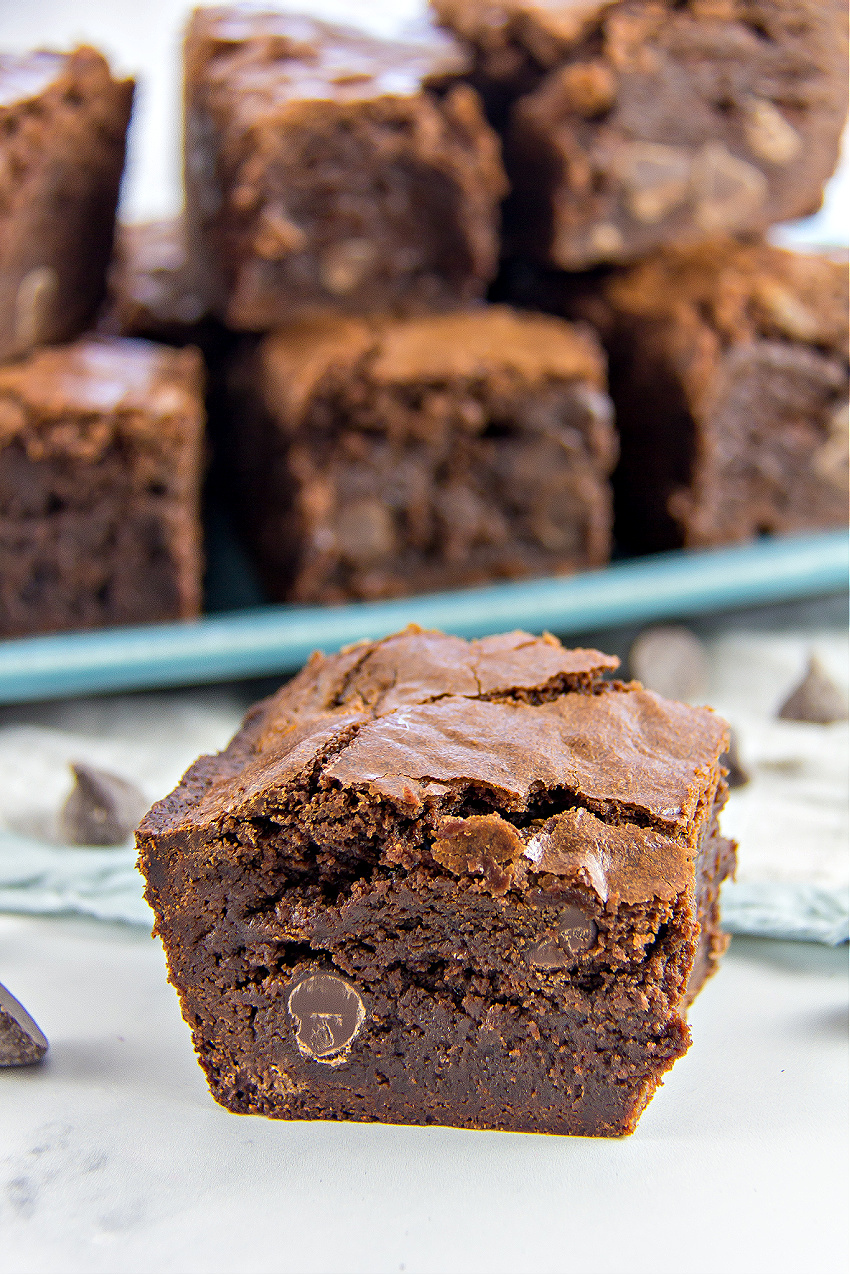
(264, 62)
(503, 758)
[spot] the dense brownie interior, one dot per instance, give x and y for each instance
(327, 170)
(393, 458)
(63, 121)
(100, 468)
(433, 881)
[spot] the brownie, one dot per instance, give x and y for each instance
(63, 122)
(328, 170)
(440, 882)
(644, 123)
(396, 456)
(100, 467)
(151, 290)
(729, 372)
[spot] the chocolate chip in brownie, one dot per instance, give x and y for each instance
(327, 1013)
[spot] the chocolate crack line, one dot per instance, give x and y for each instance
(613, 813)
(557, 685)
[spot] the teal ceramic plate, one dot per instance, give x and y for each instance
(277, 639)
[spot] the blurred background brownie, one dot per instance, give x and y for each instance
(729, 372)
(63, 123)
(641, 123)
(101, 456)
(151, 293)
(377, 459)
(330, 170)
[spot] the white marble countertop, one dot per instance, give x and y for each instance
(114, 1157)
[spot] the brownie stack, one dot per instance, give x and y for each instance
(345, 195)
(649, 146)
(101, 438)
(367, 224)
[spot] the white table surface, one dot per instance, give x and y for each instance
(115, 1158)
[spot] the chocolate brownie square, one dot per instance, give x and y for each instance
(642, 123)
(729, 372)
(151, 289)
(328, 170)
(390, 457)
(440, 882)
(101, 457)
(63, 123)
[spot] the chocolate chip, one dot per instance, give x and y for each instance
(728, 191)
(576, 931)
(346, 264)
(670, 660)
(328, 1014)
(656, 179)
(34, 306)
(576, 935)
(731, 759)
(817, 698)
(22, 1041)
(366, 532)
(768, 133)
(547, 955)
(102, 809)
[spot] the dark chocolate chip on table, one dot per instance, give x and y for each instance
(817, 698)
(670, 660)
(731, 759)
(102, 809)
(22, 1041)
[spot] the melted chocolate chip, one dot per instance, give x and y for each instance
(102, 809)
(576, 931)
(22, 1041)
(547, 955)
(576, 935)
(328, 1013)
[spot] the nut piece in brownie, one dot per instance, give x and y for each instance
(101, 446)
(151, 291)
(640, 123)
(397, 456)
(729, 372)
(63, 122)
(443, 882)
(327, 169)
